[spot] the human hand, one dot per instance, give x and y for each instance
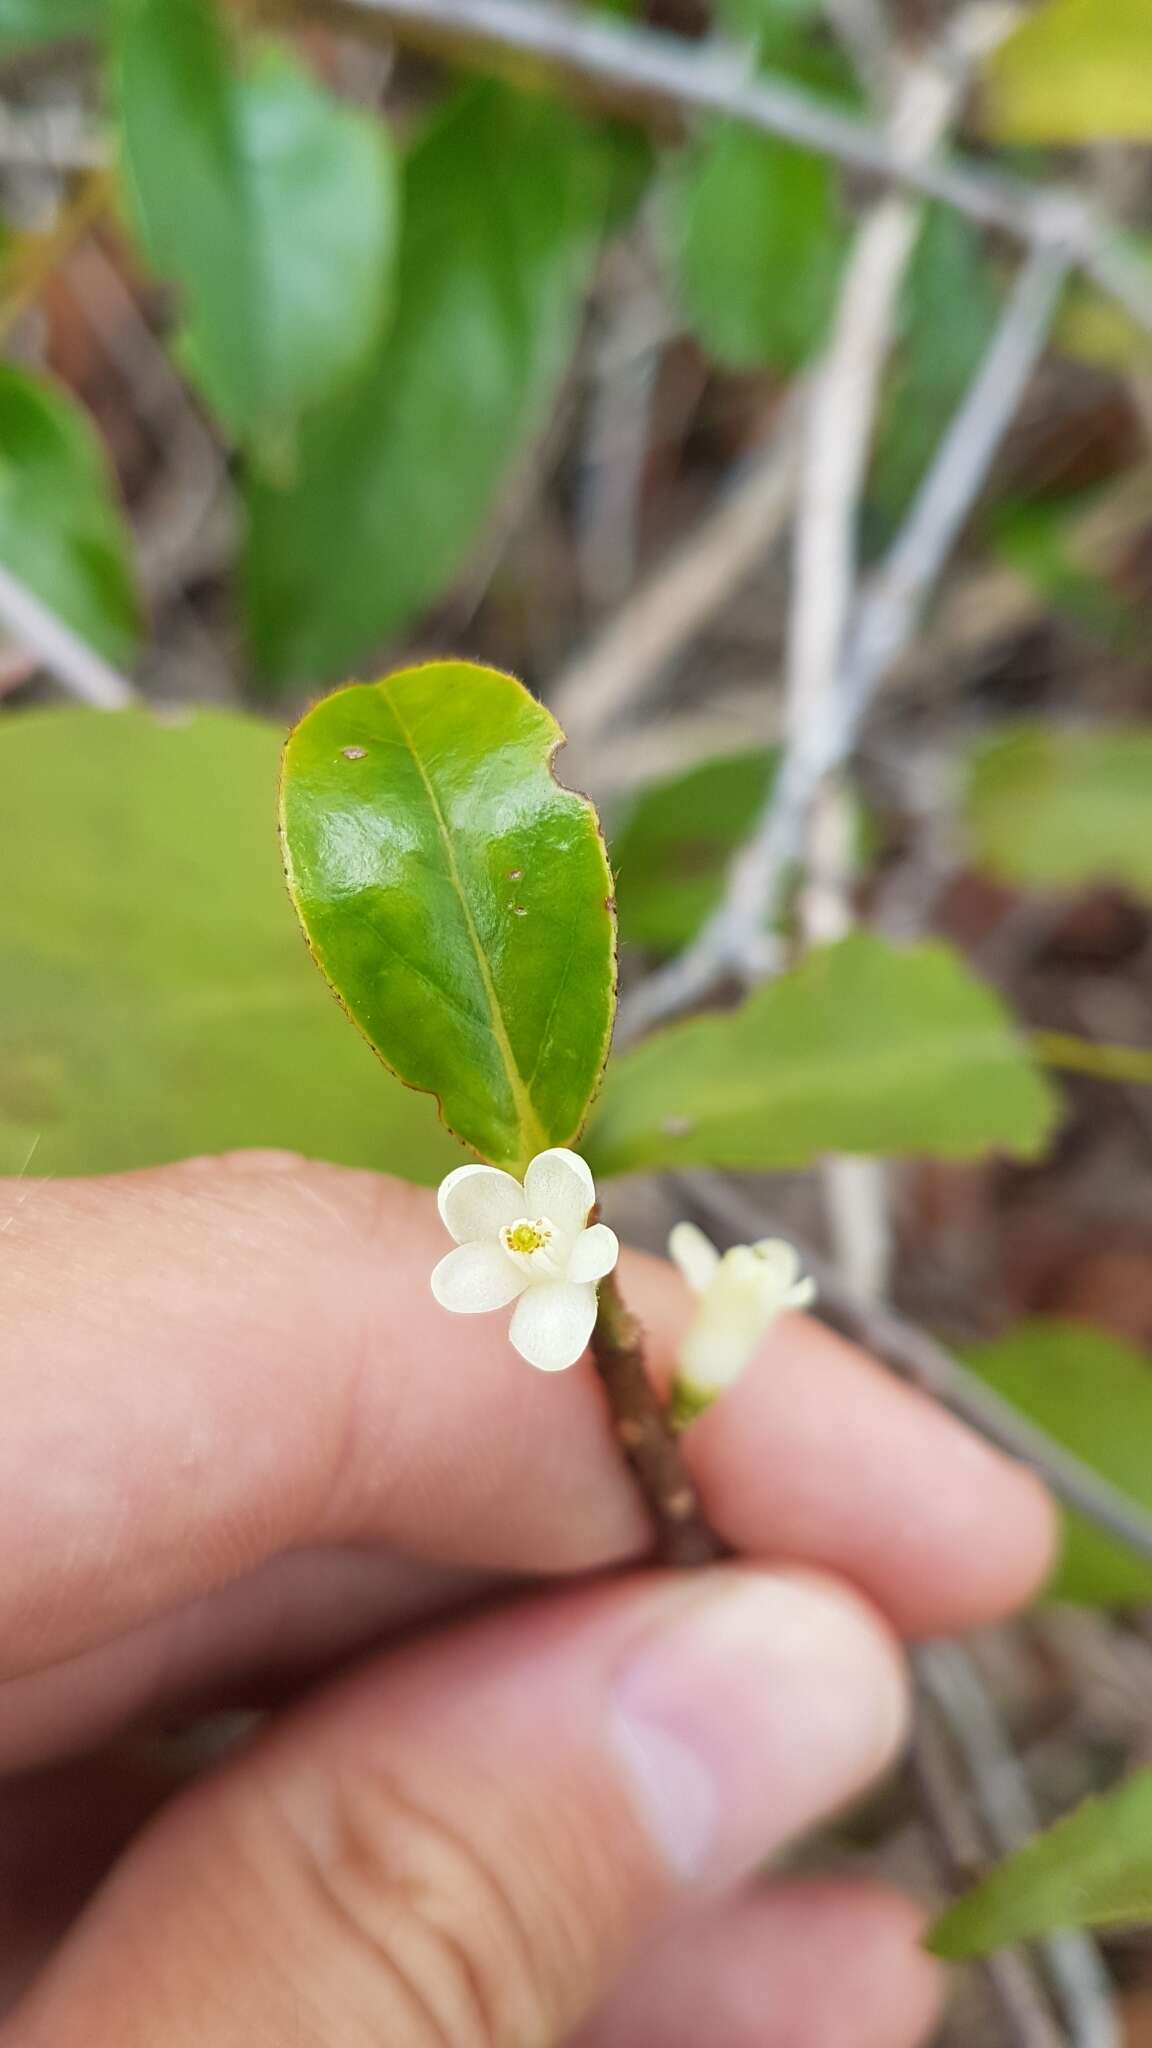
(241, 1447)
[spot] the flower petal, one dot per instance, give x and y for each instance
(476, 1202)
(551, 1323)
(802, 1295)
(780, 1262)
(594, 1253)
(695, 1254)
(476, 1277)
(560, 1186)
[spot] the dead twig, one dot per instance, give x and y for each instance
(633, 69)
(999, 1789)
(885, 620)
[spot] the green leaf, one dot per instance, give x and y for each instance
(61, 528)
(502, 200)
(756, 241)
(1094, 1394)
(755, 227)
(1054, 809)
(1037, 536)
(673, 845)
(950, 311)
(457, 898)
(272, 205)
(1093, 1869)
(865, 1047)
(48, 21)
(155, 999)
(1074, 71)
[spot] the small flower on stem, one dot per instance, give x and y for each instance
(530, 1244)
(739, 1297)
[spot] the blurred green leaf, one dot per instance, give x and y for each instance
(757, 241)
(61, 528)
(155, 999)
(47, 21)
(865, 1047)
(1074, 71)
(1093, 1869)
(457, 898)
(951, 307)
(1094, 1394)
(762, 18)
(673, 845)
(1036, 536)
(502, 202)
(272, 205)
(1054, 809)
(755, 227)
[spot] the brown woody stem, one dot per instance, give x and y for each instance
(647, 1438)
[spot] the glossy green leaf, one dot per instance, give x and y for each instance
(1094, 1394)
(155, 999)
(1053, 809)
(272, 206)
(502, 200)
(673, 845)
(1093, 1869)
(1074, 71)
(61, 528)
(457, 898)
(865, 1047)
(950, 311)
(48, 21)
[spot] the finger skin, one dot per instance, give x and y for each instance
(207, 1365)
(464, 1842)
(249, 1645)
(827, 1963)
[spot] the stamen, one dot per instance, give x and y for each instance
(527, 1237)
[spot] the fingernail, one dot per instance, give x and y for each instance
(756, 1710)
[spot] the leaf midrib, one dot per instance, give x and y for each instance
(533, 1136)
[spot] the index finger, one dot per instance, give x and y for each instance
(206, 1365)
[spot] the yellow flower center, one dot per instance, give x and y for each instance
(526, 1237)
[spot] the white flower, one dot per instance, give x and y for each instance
(739, 1298)
(530, 1245)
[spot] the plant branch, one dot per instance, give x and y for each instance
(636, 70)
(646, 1439)
(611, 675)
(922, 98)
(1001, 1794)
(886, 617)
(1011, 1978)
(75, 665)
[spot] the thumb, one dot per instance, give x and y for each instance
(462, 1842)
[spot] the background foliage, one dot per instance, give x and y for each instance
(335, 345)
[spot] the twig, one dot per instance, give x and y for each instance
(887, 616)
(1008, 1814)
(649, 1445)
(78, 667)
(841, 423)
(50, 139)
(1009, 1974)
(610, 676)
(634, 69)
(919, 1358)
(635, 328)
